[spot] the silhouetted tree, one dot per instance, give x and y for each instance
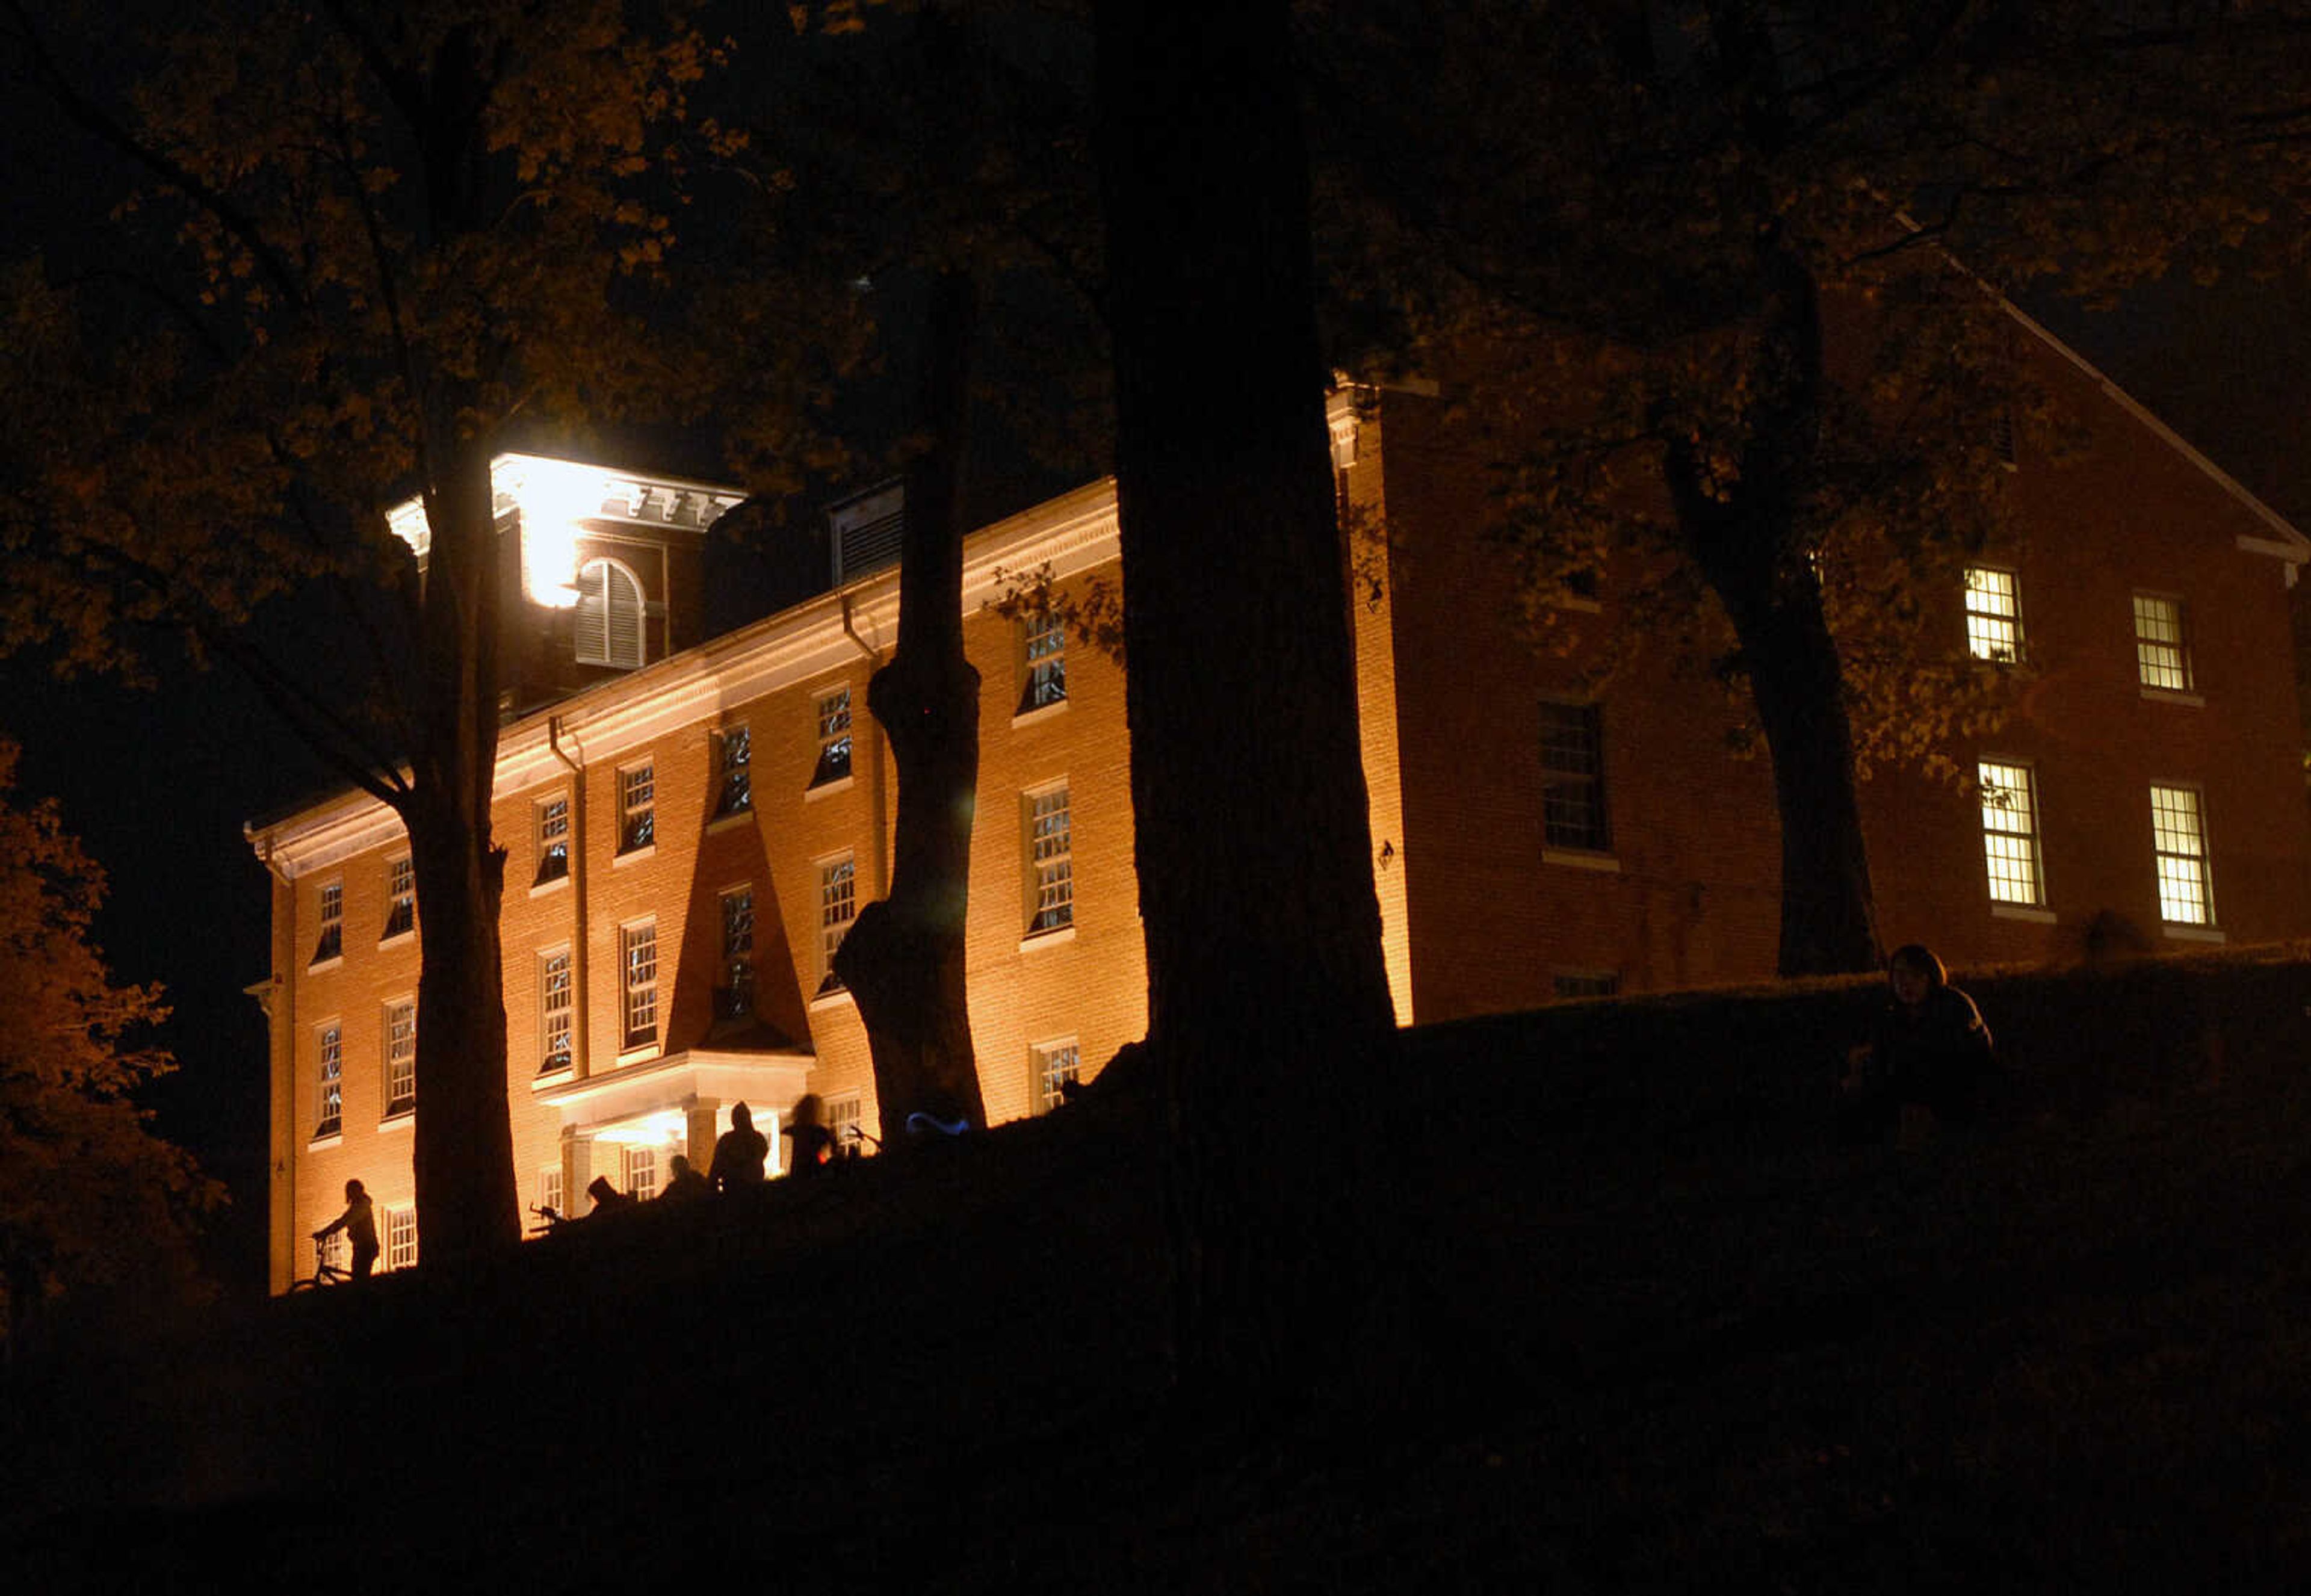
(1267, 994)
(360, 242)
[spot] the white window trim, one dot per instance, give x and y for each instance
(1030, 717)
(2007, 907)
(642, 617)
(1967, 613)
(2187, 931)
(629, 1050)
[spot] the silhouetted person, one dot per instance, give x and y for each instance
(1926, 1045)
(607, 1199)
(359, 1222)
(813, 1143)
(738, 1155)
(685, 1185)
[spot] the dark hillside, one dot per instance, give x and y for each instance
(1678, 1339)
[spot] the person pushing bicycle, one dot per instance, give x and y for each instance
(358, 1221)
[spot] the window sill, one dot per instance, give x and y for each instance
(1054, 937)
(323, 966)
(840, 998)
(2022, 911)
(323, 1143)
(399, 1120)
(2191, 700)
(1030, 717)
(633, 855)
(827, 789)
(1583, 858)
(1578, 606)
(2191, 934)
(552, 1077)
(730, 821)
(641, 1053)
(539, 889)
(399, 938)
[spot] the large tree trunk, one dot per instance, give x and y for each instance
(1745, 539)
(1266, 992)
(904, 959)
(467, 1203)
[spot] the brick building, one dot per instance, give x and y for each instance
(692, 826)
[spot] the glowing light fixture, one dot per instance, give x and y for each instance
(553, 496)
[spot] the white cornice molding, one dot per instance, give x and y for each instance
(1071, 534)
(628, 499)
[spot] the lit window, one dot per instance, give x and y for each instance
(553, 840)
(833, 738)
(842, 1118)
(333, 1251)
(734, 790)
(609, 623)
(2009, 833)
(549, 1188)
(638, 962)
(2162, 653)
(1573, 777)
(637, 808)
(332, 941)
(1059, 1065)
(1585, 984)
(400, 1238)
(1043, 662)
(1050, 868)
(737, 994)
(838, 906)
(2178, 840)
(400, 1057)
(331, 1117)
(641, 1172)
(401, 898)
(1994, 615)
(553, 1005)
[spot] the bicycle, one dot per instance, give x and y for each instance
(325, 1271)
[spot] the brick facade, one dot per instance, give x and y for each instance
(1480, 913)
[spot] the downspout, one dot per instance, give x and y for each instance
(874, 772)
(581, 1026)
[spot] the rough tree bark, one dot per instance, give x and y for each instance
(1268, 996)
(467, 1203)
(1742, 536)
(904, 959)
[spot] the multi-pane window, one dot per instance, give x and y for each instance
(553, 1011)
(2179, 841)
(641, 1172)
(330, 1119)
(2162, 653)
(1573, 777)
(333, 1249)
(637, 807)
(607, 628)
(734, 787)
(1057, 1066)
(400, 1057)
(332, 940)
(549, 1188)
(1994, 614)
(1042, 662)
(638, 966)
(838, 906)
(833, 738)
(553, 840)
(2009, 833)
(400, 897)
(400, 1238)
(1050, 868)
(737, 994)
(842, 1118)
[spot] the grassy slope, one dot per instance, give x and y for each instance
(1678, 1339)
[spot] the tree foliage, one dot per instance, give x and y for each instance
(1692, 263)
(89, 1197)
(357, 250)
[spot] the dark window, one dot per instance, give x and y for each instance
(1043, 663)
(1573, 777)
(833, 738)
(332, 940)
(553, 840)
(637, 808)
(401, 898)
(1585, 984)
